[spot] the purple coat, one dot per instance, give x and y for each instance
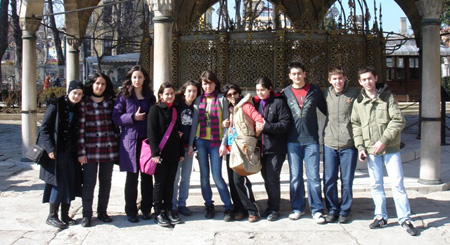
(132, 131)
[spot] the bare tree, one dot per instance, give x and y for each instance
(17, 38)
(55, 31)
(3, 29)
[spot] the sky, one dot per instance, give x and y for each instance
(390, 10)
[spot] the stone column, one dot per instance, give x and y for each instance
(162, 41)
(430, 149)
(72, 59)
(29, 27)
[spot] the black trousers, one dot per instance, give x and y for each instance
(235, 197)
(271, 170)
(243, 187)
(131, 189)
(90, 170)
(163, 188)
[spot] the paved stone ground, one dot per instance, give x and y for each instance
(22, 215)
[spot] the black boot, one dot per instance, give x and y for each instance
(161, 219)
(65, 207)
(53, 219)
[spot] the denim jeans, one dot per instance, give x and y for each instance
(297, 153)
(182, 182)
(335, 161)
(394, 170)
(205, 151)
(105, 170)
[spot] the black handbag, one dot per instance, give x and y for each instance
(37, 154)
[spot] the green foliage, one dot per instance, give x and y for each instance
(50, 93)
(445, 16)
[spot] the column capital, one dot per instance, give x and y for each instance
(29, 25)
(73, 42)
(161, 7)
(430, 9)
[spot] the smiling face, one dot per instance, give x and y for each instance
(368, 82)
(338, 82)
(262, 92)
(232, 95)
(99, 86)
(168, 95)
(208, 86)
(190, 94)
(297, 75)
(75, 95)
(137, 79)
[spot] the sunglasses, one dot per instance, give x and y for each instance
(232, 94)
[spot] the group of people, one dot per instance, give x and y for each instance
(86, 135)
(48, 83)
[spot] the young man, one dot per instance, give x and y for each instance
(303, 99)
(377, 123)
(339, 153)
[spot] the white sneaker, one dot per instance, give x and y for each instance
(319, 219)
(295, 215)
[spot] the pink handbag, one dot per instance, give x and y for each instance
(147, 165)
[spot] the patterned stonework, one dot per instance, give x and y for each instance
(430, 9)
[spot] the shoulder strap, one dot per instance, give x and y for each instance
(169, 129)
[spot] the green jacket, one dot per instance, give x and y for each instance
(338, 129)
(377, 119)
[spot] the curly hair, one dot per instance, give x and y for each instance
(109, 90)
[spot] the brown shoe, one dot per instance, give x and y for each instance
(239, 216)
(253, 218)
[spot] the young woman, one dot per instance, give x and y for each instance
(273, 141)
(130, 113)
(159, 119)
(186, 97)
(98, 149)
(58, 136)
(243, 120)
(210, 109)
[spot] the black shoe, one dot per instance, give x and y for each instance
(343, 219)
(331, 218)
(104, 217)
(184, 211)
(378, 223)
(410, 228)
(172, 215)
(86, 222)
(162, 220)
(228, 215)
(274, 215)
(210, 212)
(133, 219)
(146, 216)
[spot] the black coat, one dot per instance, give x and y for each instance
(159, 118)
(59, 136)
(277, 122)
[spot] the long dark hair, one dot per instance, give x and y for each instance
(127, 88)
(109, 90)
(209, 76)
(234, 86)
(265, 82)
(164, 86)
(179, 96)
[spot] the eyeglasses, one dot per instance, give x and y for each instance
(235, 94)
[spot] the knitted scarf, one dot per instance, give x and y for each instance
(213, 117)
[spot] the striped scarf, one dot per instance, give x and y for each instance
(213, 117)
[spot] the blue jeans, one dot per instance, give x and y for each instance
(334, 161)
(205, 151)
(394, 170)
(297, 153)
(182, 179)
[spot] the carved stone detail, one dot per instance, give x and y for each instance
(430, 9)
(30, 25)
(161, 7)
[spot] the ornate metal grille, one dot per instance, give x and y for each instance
(242, 57)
